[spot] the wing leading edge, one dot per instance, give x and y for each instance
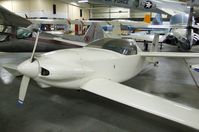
(169, 54)
(144, 101)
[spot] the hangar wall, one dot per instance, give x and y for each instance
(109, 12)
(44, 8)
(101, 11)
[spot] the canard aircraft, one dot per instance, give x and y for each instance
(99, 68)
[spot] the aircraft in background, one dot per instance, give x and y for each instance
(127, 27)
(50, 42)
(9, 18)
(53, 26)
(21, 33)
(17, 32)
(181, 36)
(181, 31)
(159, 6)
(9, 23)
(99, 68)
(92, 32)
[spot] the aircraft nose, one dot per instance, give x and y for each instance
(30, 69)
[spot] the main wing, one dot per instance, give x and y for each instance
(144, 37)
(169, 54)
(171, 7)
(144, 101)
(170, 11)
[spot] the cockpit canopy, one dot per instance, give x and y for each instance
(125, 47)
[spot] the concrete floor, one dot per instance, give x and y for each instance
(61, 110)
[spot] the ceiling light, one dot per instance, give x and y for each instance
(73, 3)
(83, 1)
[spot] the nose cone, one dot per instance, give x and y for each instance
(29, 69)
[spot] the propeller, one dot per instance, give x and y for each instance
(26, 79)
(34, 49)
(23, 89)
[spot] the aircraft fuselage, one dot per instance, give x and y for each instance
(145, 5)
(71, 68)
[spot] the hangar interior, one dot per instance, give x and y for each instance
(68, 9)
(56, 109)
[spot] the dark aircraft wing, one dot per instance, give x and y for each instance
(9, 18)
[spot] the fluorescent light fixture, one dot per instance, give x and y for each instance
(73, 3)
(83, 1)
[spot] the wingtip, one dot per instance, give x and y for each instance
(19, 103)
(196, 69)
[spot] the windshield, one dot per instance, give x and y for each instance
(121, 46)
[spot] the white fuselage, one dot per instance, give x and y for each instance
(71, 68)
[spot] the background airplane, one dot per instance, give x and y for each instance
(20, 37)
(181, 32)
(159, 6)
(178, 32)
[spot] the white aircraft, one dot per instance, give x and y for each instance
(99, 68)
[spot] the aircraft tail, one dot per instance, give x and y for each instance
(157, 20)
(116, 28)
(93, 33)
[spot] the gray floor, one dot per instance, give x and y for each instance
(60, 110)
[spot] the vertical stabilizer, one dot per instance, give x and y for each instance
(93, 33)
(116, 28)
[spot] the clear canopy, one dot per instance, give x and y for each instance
(179, 19)
(125, 47)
